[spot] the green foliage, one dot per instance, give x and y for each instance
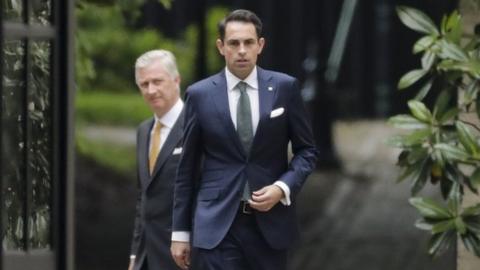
(111, 109)
(437, 142)
(117, 157)
(214, 60)
(107, 49)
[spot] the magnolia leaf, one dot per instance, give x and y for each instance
(423, 225)
(441, 103)
(452, 28)
(471, 243)
(420, 111)
(448, 115)
(406, 121)
(428, 208)
(452, 152)
(424, 90)
(452, 51)
(440, 242)
(428, 59)
(410, 78)
(443, 226)
(423, 43)
(467, 139)
(417, 20)
(421, 176)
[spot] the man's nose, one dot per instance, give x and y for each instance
(242, 49)
(151, 88)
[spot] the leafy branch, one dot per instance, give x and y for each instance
(439, 147)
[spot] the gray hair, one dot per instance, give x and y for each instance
(166, 58)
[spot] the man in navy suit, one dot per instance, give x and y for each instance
(235, 190)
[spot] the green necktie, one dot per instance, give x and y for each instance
(244, 126)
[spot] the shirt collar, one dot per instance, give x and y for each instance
(232, 80)
(169, 119)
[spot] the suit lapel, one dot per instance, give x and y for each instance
(169, 145)
(266, 94)
(142, 153)
(220, 98)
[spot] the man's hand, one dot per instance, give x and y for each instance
(265, 198)
(181, 254)
(131, 264)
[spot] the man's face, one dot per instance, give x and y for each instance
(240, 47)
(158, 88)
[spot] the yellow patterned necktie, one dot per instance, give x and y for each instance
(154, 146)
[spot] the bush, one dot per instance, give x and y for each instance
(107, 49)
(111, 109)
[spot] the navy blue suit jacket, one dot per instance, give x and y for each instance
(213, 167)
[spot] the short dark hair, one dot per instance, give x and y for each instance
(240, 15)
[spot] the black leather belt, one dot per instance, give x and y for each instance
(245, 208)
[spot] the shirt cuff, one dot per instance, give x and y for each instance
(286, 192)
(181, 236)
(132, 257)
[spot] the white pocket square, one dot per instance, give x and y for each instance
(177, 151)
(277, 112)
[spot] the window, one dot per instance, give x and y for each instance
(34, 158)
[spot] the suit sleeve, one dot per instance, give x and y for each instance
(188, 169)
(303, 145)
(138, 228)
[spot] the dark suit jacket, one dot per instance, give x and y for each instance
(152, 231)
(210, 135)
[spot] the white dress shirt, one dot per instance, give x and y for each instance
(167, 120)
(233, 95)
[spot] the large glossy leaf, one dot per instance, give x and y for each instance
(420, 177)
(448, 115)
(467, 139)
(452, 152)
(406, 121)
(420, 111)
(428, 59)
(452, 51)
(471, 91)
(441, 104)
(424, 90)
(416, 137)
(452, 27)
(417, 20)
(424, 225)
(428, 208)
(443, 226)
(471, 243)
(423, 43)
(473, 224)
(440, 242)
(411, 77)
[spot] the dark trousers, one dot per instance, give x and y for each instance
(243, 248)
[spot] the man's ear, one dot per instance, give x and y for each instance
(261, 43)
(219, 44)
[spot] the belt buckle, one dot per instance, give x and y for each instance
(246, 208)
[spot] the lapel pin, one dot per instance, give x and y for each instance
(270, 88)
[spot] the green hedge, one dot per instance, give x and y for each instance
(111, 109)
